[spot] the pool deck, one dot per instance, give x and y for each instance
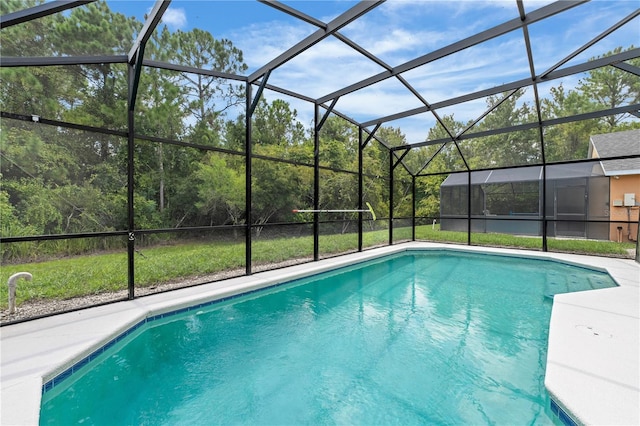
(593, 357)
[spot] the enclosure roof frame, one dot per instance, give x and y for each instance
(332, 29)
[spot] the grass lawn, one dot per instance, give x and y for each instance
(97, 273)
(590, 247)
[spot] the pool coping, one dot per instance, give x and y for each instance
(593, 355)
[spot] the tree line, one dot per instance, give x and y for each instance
(189, 158)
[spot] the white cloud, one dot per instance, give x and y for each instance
(175, 18)
(399, 40)
(374, 103)
(260, 43)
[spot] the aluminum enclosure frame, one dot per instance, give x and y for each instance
(324, 105)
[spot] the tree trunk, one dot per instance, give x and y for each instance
(161, 172)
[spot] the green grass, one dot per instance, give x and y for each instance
(591, 247)
(599, 248)
(73, 276)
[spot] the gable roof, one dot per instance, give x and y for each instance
(615, 145)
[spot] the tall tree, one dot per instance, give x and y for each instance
(609, 87)
(277, 187)
(276, 123)
(220, 188)
(42, 91)
(94, 29)
(567, 141)
(507, 149)
(338, 144)
(602, 88)
(160, 113)
(208, 97)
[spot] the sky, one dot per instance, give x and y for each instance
(396, 32)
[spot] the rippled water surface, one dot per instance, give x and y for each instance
(425, 337)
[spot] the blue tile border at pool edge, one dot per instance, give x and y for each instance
(561, 414)
(59, 378)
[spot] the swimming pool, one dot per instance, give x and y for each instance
(424, 337)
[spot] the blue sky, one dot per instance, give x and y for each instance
(396, 32)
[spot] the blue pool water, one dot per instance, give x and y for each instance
(420, 338)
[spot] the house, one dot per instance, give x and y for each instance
(624, 180)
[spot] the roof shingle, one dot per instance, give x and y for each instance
(615, 145)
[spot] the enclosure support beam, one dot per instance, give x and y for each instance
(188, 69)
(426, 164)
(391, 195)
(564, 72)
(147, 30)
(371, 135)
(545, 123)
(131, 241)
(31, 118)
(247, 167)
(395, 164)
(544, 172)
(294, 12)
(341, 21)
(361, 146)
(392, 167)
(557, 74)
(326, 115)
(263, 83)
(536, 95)
(40, 61)
(136, 54)
(595, 40)
(134, 79)
(135, 58)
(40, 11)
(487, 112)
(628, 68)
(468, 207)
(544, 208)
(316, 182)
(413, 208)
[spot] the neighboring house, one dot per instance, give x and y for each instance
(509, 201)
(624, 180)
(581, 198)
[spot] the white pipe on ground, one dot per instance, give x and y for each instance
(12, 282)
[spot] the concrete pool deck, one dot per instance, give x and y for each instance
(593, 357)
